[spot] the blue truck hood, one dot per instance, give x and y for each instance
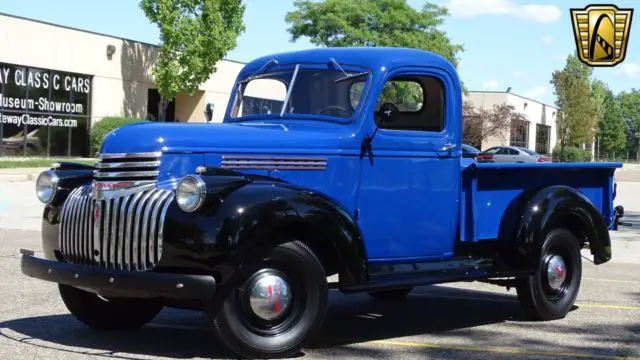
(221, 138)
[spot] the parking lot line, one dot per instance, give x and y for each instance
(595, 306)
(499, 350)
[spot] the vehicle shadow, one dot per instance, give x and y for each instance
(350, 319)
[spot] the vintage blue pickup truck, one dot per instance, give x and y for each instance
(330, 164)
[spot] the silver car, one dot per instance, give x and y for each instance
(513, 154)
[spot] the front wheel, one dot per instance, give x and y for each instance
(277, 308)
(550, 293)
(100, 313)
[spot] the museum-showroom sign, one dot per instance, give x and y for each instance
(38, 97)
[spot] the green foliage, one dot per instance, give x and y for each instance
(195, 35)
(612, 130)
(570, 154)
(381, 23)
(101, 128)
(630, 110)
(577, 116)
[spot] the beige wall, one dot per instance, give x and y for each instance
(120, 84)
(532, 111)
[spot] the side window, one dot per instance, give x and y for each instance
(512, 152)
(420, 103)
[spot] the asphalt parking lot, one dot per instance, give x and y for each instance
(458, 321)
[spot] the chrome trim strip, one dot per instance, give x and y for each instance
(107, 175)
(124, 165)
(124, 220)
(153, 236)
(128, 238)
(108, 156)
(165, 207)
(113, 229)
(137, 238)
(273, 163)
(144, 240)
(104, 258)
(86, 223)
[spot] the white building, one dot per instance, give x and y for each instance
(537, 133)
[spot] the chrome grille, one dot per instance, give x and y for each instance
(130, 167)
(120, 232)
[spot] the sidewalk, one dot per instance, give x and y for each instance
(20, 174)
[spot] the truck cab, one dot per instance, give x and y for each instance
(330, 163)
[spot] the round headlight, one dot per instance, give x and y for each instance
(46, 185)
(190, 193)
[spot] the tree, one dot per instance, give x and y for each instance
(630, 111)
(599, 92)
(195, 35)
(478, 125)
(393, 23)
(576, 118)
(612, 130)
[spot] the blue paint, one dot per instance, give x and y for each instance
(413, 202)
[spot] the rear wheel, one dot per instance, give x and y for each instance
(278, 307)
(391, 295)
(552, 291)
(108, 314)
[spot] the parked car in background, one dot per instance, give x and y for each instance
(513, 154)
(470, 153)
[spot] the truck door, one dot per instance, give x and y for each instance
(410, 188)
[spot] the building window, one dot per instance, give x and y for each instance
(542, 138)
(44, 112)
(519, 133)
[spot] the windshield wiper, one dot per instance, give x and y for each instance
(264, 68)
(351, 76)
(346, 76)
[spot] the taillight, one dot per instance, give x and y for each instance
(542, 159)
(482, 157)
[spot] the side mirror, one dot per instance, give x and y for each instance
(388, 112)
(208, 112)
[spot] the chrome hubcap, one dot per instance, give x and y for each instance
(269, 296)
(556, 272)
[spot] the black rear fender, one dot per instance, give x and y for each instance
(530, 217)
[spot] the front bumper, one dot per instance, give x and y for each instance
(123, 283)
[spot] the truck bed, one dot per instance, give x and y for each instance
(490, 191)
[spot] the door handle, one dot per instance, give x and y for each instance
(446, 149)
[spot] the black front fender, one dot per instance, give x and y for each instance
(239, 221)
(555, 206)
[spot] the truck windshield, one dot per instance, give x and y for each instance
(300, 91)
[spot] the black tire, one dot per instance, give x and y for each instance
(539, 300)
(248, 336)
(391, 295)
(108, 314)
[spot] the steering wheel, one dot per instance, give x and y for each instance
(337, 108)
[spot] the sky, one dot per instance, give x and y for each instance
(507, 43)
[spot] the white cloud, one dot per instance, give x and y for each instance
(629, 69)
(535, 92)
(491, 84)
(471, 8)
(517, 73)
(547, 40)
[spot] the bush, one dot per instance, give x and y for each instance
(101, 128)
(571, 154)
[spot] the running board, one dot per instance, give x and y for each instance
(392, 276)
